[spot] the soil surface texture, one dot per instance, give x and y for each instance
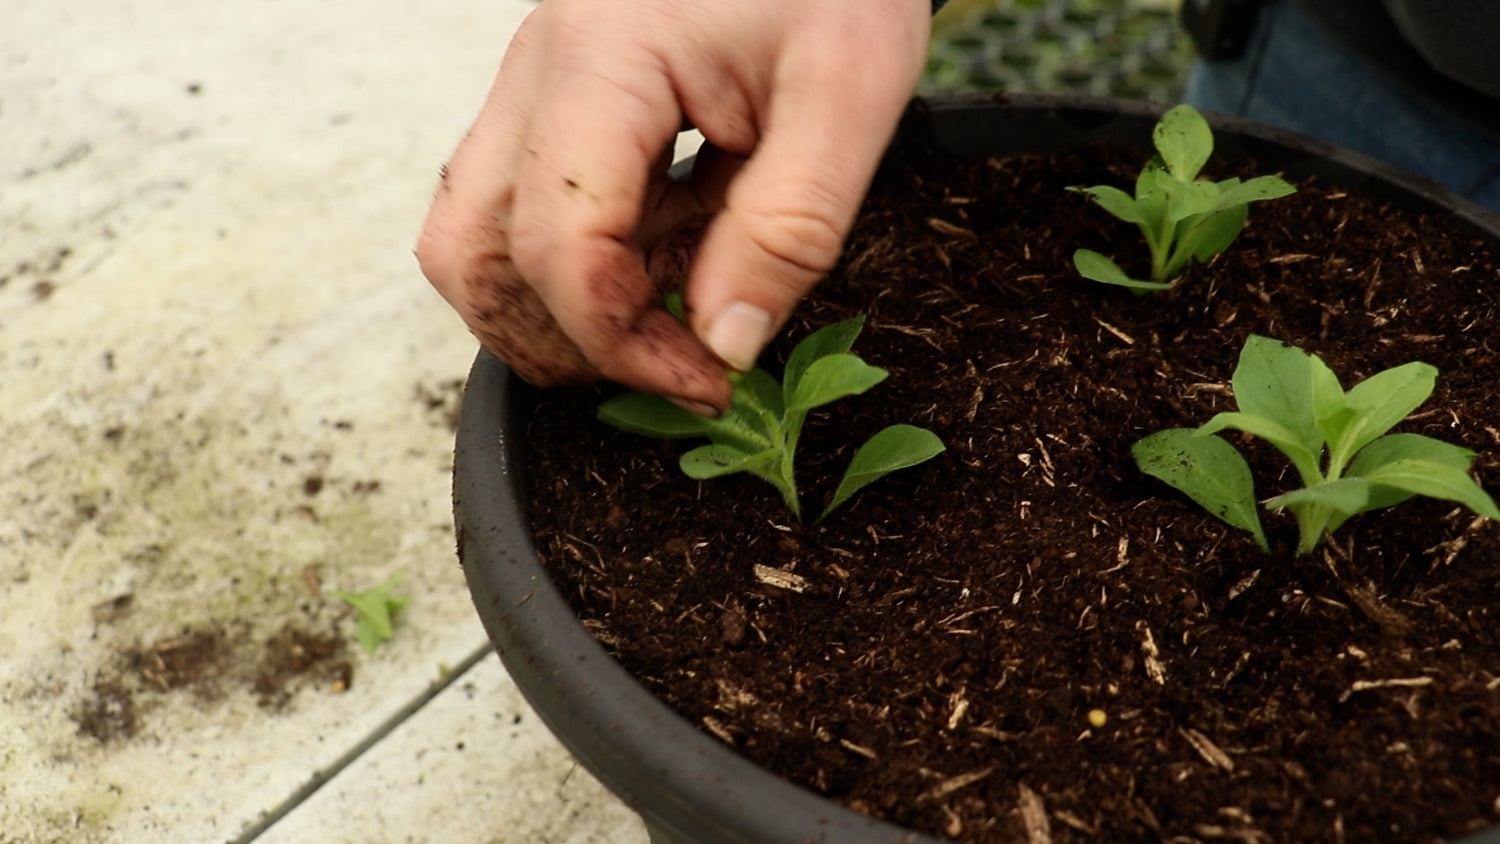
(1027, 639)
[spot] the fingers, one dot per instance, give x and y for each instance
(464, 246)
(790, 206)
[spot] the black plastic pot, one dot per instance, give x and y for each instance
(687, 786)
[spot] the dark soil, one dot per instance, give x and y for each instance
(949, 642)
(208, 664)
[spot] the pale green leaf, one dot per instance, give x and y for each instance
(375, 611)
(894, 448)
(1184, 141)
(1208, 470)
(1203, 237)
(833, 377)
(834, 339)
(1191, 198)
(1435, 480)
(1345, 495)
(1115, 201)
(652, 416)
(1274, 381)
(1257, 189)
(1392, 447)
(716, 460)
(1284, 439)
(760, 387)
(1383, 400)
(1095, 267)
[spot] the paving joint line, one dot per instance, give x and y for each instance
(325, 775)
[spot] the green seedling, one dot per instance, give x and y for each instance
(375, 610)
(1337, 441)
(1184, 218)
(758, 434)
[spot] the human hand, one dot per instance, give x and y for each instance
(539, 231)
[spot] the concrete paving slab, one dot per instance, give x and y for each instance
(225, 392)
(473, 765)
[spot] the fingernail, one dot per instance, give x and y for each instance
(705, 410)
(738, 333)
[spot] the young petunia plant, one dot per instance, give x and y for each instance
(759, 432)
(1336, 440)
(1184, 218)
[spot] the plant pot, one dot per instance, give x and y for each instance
(687, 785)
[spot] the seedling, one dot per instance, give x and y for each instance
(1184, 218)
(758, 434)
(1337, 442)
(375, 610)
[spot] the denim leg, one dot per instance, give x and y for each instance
(1294, 76)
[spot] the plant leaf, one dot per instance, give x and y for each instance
(1392, 447)
(1208, 470)
(375, 610)
(833, 377)
(1285, 440)
(652, 416)
(896, 447)
(1204, 237)
(833, 339)
(1115, 201)
(1191, 198)
(1346, 496)
(1435, 480)
(1274, 381)
(1257, 189)
(1383, 400)
(716, 460)
(1184, 141)
(761, 387)
(1095, 267)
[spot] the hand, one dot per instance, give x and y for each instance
(539, 231)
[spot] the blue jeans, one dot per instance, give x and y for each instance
(1294, 76)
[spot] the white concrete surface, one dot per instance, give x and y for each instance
(223, 393)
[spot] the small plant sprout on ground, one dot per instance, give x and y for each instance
(1184, 218)
(1336, 440)
(375, 611)
(759, 432)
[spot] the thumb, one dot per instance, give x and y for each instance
(787, 212)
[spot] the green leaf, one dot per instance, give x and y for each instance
(1115, 201)
(1383, 400)
(1208, 470)
(1392, 447)
(1095, 267)
(1184, 141)
(375, 611)
(834, 339)
(830, 378)
(1285, 440)
(759, 388)
(716, 460)
(1274, 381)
(893, 448)
(1202, 238)
(1345, 495)
(1257, 189)
(652, 416)
(1435, 480)
(1191, 198)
